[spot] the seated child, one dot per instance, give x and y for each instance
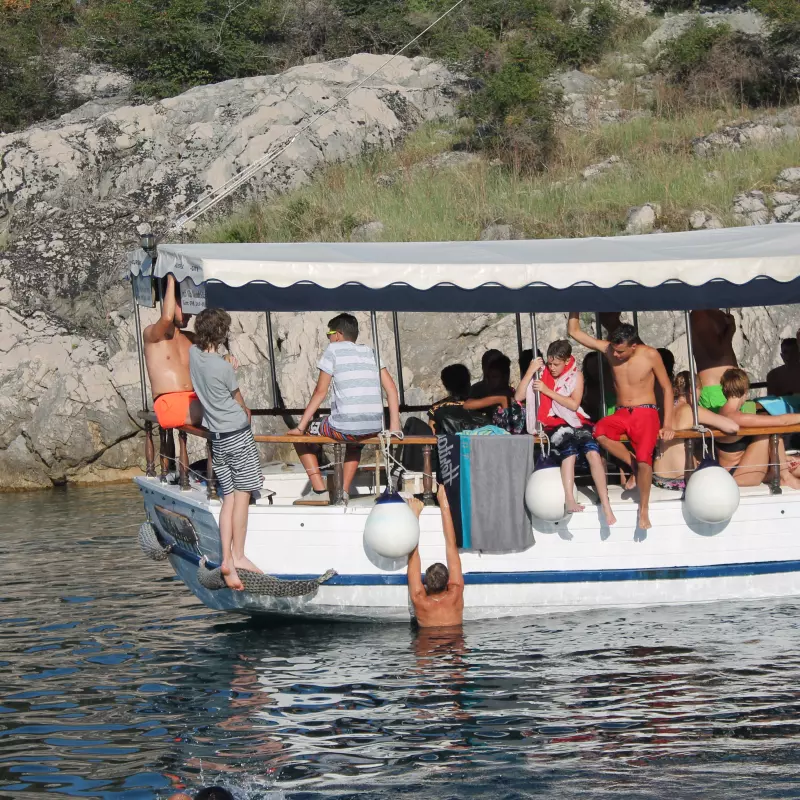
(456, 381)
(506, 412)
(564, 421)
(351, 371)
(234, 454)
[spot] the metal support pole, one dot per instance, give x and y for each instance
(636, 321)
(601, 365)
(373, 318)
(398, 357)
(140, 349)
(692, 374)
(535, 348)
(273, 373)
(519, 338)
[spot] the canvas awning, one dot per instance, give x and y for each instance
(733, 267)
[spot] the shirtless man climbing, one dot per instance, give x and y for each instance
(636, 368)
(166, 354)
(712, 341)
(439, 601)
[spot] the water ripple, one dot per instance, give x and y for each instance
(116, 683)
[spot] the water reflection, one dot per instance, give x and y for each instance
(114, 682)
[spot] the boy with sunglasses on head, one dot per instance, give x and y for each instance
(356, 382)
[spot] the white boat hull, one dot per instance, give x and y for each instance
(577, 564)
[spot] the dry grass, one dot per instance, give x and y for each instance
(426, 204)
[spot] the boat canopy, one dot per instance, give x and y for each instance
(732, 267)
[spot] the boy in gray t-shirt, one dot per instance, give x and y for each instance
(234, 454)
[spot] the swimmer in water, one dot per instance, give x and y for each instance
(439, 601)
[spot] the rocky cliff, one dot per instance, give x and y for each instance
(76, 193)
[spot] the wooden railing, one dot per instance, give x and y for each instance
(427, 443)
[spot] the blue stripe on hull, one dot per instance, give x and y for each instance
(578, 576)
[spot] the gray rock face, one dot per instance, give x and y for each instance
(593, 170)
(642, 219)
(748, 22)
(750, 208)
(703, 220)
(368, 232)
(75, 193)
(499, 233)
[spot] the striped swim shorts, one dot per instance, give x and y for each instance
(323, 427)
(237, 466)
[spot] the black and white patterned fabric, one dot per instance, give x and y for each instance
(236, 463)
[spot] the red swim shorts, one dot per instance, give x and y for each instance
(323, 427)
(172, 408)
(640, 424)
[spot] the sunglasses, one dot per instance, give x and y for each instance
(331, 333)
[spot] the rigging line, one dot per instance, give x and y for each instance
(211, 197)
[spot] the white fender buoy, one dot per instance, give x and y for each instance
(544, 494)
(712, 495)
(392, 528)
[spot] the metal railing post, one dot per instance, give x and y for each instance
(519, 338)
(693, 376)
(535, 349)
(601, 365)
(273, 372)
(398, 357)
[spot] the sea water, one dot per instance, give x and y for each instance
(116, 683)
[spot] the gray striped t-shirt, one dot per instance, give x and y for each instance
(356, 394)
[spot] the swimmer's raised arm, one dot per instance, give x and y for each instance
(451, 547)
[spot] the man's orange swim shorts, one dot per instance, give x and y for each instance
(172, 408)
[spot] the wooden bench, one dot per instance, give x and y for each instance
(426, 442)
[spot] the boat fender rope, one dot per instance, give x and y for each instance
(257, 583)
(151, 547)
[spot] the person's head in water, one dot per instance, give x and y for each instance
(213, 793)
(343, 328)
(624, 342)
(456, 381)
(498, 374)
(436, 578)
(558, 354)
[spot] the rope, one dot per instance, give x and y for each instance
(211, 197)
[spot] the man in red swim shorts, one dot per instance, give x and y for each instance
(636, 368)
(166, 354)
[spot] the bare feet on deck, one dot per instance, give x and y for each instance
(416, 505)
(631, 482)
(572, 507)
(246, 563)
(644, 521)
(610, 518)
(231, 576)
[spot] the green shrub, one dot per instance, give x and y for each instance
(30, 38)
(171, 45)
(515, 108)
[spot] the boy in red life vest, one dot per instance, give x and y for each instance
(566, 424)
